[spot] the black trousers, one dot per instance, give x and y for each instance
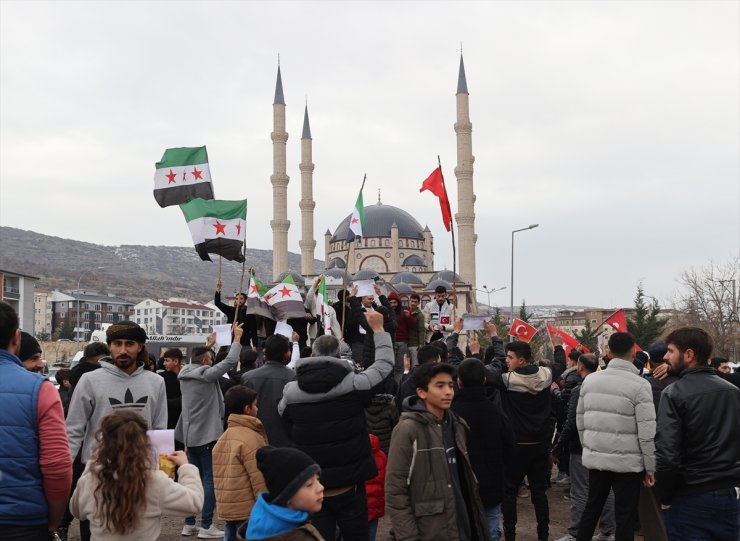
(532, 461)
(626, 487)
(348, 511)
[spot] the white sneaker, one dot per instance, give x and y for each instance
(567, 537)
(210, 533)
(602, 537)
(189, 530)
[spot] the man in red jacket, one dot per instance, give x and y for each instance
(405, 322)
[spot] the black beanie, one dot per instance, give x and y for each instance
(29, 347)
(285, 470)
(125, 330)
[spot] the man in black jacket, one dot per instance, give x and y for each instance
(527, 401)
(248, 321)
(491, 441)
(358, 333)
(697, 448)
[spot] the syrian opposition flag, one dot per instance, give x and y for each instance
(217, 227)
(182, 174)
(285, 301)
(569, 343)
(435, 183)
(255, 303)
(321, 301)
(522, 330)
(357, 220)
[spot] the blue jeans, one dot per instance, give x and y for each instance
(493, 514)
(711, 516)
(230, 528)
(200, 457)
(372, 530)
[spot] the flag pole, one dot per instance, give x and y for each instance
(346, 266)
(241, 279)
(454, 250)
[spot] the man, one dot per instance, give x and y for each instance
(721, 365)
(527, 401)
(269, 381)
(341, 307)
(697, 446)
(34, 455)
(427, 354)
(585, 365)
(240, 315)
(324, 407)
(358, 330)
(172, 366)
(65, 392)
(616, 425)
(405, 322)
(439, 316)
(431, 492)
(317, 327)
(201, 423)
(91, 356)
(30, 354)
(417, 333)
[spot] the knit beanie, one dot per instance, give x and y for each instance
(285, 470)
(125, 330)
(29, 347)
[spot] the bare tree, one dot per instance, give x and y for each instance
(708, 299)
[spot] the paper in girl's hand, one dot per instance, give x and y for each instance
(163, 445)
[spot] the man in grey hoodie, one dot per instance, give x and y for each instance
(202, 423)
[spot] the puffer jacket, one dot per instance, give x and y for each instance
(382, 416)
(236, 478)
(615, 417)
(375, 487)
(419, 492)
(697, 445)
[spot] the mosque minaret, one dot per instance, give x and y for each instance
(279, 223)
(307, 204)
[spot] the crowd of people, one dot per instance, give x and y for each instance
(393, 410)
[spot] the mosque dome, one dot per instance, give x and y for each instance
(366, 274)
(402, 287)
(431, 286)
(336, 263)
(447, 276)
(379, 219)
(334, 272)
(297, 278)
(413, 261)
(406, 278)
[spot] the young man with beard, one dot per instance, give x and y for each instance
(405, 321)
(439, 316)
(697, 445)
(240, 315)
(417, 332)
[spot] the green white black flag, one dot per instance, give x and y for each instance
(182, 174)
(217, 227)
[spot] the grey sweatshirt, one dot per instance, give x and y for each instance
(201, 420)
(101, 391)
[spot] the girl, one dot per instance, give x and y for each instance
(121, 493)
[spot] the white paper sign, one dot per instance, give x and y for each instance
(223, 335)
(284, 329)
(163, 441)
(474, 323)
(365, 287)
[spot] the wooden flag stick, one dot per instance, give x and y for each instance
(454, 250)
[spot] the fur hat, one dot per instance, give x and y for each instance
(29, 347)
(285, 470)
(125, 330)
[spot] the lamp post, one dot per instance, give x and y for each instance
(77, 329)
(488, 291)
(532, 226)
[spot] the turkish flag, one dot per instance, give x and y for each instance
(569, 343)
(435, 183)
(618, 322)
(522, 330)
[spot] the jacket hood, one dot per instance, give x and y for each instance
(111, 368)
(321, 374)
(530, 379)
(246, 421)
(393, 295)
(268, 520)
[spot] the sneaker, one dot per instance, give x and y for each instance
(567, 537)
(189, 530)
(558, 477)
(62, 533)
(603, 537)
(566, 497)
(564, 481)
(210, 533)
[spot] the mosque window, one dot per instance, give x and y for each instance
(375, 263)
(386, 242)
(359, 256)
(388, 254)
(401, 255)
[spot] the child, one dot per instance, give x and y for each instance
(236, 478)
(121, 493)
(375, 488)
(292, 479)
(431, 492)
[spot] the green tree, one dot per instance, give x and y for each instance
(523, 314)
(588, 336)
(647, 325)
(67, 331)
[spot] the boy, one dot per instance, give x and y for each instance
(430, 490)
(294, 491)
(236, 478)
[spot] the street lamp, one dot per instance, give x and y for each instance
(77, 329)
(488, 292)
(511, 313)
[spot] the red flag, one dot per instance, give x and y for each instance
(522, 330)
(435, 183)
(569, 343)
(618, 322)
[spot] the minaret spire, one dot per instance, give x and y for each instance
(465, 216)
(307, 204)
(279, 179)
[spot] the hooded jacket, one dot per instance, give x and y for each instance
(271, 522)
(324, 407)
(101, 391)
(382, 416)
(236, 478)
(419, 488)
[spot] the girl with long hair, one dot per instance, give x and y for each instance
(122, 492)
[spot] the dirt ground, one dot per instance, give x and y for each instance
(526, 529)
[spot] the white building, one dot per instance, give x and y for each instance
(41, 312)
(177, 316)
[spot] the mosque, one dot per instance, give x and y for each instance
(395, 248)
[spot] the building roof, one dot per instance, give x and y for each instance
(402, 287)
(306, 125)
(366, 274)
(406, 277)
(337, 263)
(94, 296)
(447, 276)
(435, 283)
(19, 274)
(297, 278)
(413, 261)
(177, 304)
(379, 219)
(462, 83)
(279, 98)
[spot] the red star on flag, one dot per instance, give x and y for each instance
(238, 228)
(285, 291)
(197, 174)
(171, 177)
(254, 289)
(220, 228)
(354, 220)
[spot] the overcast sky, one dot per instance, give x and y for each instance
(614, 125)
